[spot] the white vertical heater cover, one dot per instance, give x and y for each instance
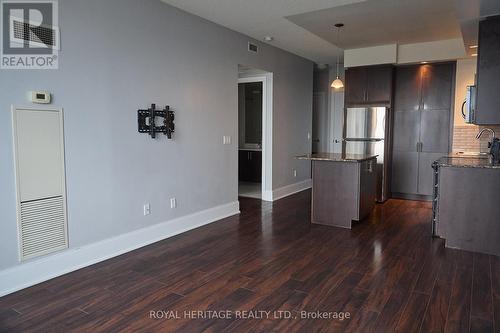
(40, 181)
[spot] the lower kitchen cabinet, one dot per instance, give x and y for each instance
(250, 166)
(404, 172)
(343, 191)
(466, 208)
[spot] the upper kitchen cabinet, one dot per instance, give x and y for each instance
(368, 85)
(408, 84)
(355, 86)
(437, 82)
(488, 73)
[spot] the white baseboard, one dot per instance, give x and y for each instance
(46, 268)
(291, 189)
(267, 195)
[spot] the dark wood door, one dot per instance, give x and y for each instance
(488, 73)
(437, 84)
(422, 115)
(437, 81)
(406, 130)
(355, 86)
(379, 84)
(407, 88)
(434, 125)
(404, 176)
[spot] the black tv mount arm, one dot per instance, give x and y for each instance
(146, 121)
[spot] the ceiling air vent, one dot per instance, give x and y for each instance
(253, 47)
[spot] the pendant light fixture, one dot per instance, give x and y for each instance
(337, 83)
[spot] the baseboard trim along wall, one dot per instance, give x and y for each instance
(287, 190)
(46, 268)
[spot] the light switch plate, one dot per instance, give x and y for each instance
(147, 209)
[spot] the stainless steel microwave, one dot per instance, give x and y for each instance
(469, 105)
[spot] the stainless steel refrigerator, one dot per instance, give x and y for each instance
(365, 133)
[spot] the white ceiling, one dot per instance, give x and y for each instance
(383, 22)
(260, 18)
(305, 27)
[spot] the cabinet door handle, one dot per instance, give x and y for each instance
(421, 146)
(369, 166)
(418, 146)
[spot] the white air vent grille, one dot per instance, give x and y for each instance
(42, 227)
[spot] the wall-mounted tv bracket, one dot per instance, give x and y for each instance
(146, 121)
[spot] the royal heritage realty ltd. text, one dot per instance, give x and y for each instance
(246, 314)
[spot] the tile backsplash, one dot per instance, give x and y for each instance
(464, 138)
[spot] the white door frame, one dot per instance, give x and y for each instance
(267, 131)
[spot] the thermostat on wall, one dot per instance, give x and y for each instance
(40, 97)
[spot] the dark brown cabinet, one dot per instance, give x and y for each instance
(250, 166)
(422, 118)
(355, 85)
(488, 73)
(368, 85)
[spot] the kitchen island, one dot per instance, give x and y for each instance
(466, 206)
(344, 187)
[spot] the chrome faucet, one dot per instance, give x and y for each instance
(494, 145)
(493, 136)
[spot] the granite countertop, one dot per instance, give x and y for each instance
(466, 162)
(335, 157)
(250, 149)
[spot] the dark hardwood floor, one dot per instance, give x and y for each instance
(387, 272)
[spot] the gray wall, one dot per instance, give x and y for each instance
(321, 91)
(328, 110)
(121, 55)
(336, 112)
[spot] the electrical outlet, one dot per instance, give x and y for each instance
(295, 173)
(147, 209)
(173, 203)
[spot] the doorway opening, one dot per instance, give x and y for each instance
(254, 133)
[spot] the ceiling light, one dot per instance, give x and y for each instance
(473, 47)
(337, 83)
(474, 54)
(424, 62)
(268, 38)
